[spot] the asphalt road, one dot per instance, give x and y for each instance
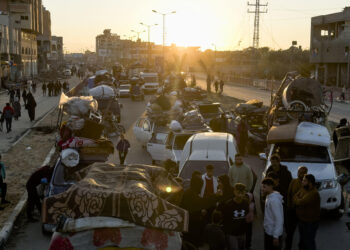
(339, 110)
(332, 234)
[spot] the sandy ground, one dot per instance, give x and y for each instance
(24, 158)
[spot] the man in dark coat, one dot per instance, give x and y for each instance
(24, 96)
(42, 175)
(342, 123)
(283, 174)
(31, 105)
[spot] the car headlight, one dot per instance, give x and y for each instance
(328, 184)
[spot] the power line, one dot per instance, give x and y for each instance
(257, 13)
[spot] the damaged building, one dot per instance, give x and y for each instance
(330, 48)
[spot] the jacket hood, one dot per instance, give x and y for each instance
(276, 195)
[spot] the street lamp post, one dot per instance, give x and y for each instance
(164, 14)
(149, 41)
(138, 33)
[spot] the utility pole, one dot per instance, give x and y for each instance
(257, 13)
(164, 14)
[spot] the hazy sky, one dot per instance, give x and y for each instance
(224, 23)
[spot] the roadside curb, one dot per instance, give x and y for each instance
(8, 226)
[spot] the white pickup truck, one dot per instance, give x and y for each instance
(151, 82)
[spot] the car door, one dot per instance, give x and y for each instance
(156, 147)
(137, 129)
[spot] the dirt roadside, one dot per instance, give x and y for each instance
(24, 158)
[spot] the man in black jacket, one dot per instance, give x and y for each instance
(283, 174)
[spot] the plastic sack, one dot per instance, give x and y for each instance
(78, 106)
(70, 157)
(75, 122)
(102, 91)
(175, 126)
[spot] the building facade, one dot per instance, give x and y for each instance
(330, 48)
(44, 43)
(108, 47)
(56, 56)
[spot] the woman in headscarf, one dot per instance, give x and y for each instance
(31, 104)
(17, 108)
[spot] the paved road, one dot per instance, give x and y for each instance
(44, 104)
(332, 234)
(339, 110)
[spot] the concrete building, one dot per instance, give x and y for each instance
(56, 56)
(330, 48)
(44, 42)
(108, 47)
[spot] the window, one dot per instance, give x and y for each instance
(180, 141)
(22, 50)
(291, 152)
(324, 32)
(24, 17)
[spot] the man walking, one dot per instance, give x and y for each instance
(273, 215)
(307, 203)
(291, 217)
(342, 123)
(222, 86)
(240, 173)
(208, 83)
(210, 182)
(234, 213)
(123, 148)
(43, 87)
(8, 113)
(24, 96)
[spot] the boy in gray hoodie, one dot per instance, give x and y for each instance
(273, 217)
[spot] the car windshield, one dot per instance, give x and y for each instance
(291, 152)
(150, 78)
(209, 109)
(220, 168)
(124, 87)
(180, 141)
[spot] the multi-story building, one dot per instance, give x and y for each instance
(108, 47)
(44, 42)
(25, 19)
(56, 55)
(330, 48)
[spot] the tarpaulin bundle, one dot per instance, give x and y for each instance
(137, 193)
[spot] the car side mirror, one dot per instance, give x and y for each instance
(262, 156)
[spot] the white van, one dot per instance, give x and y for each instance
(209, 148)
(151, 81)
(307, 144)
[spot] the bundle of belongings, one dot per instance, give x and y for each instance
(249, 107)
(83, 129)
(193, 120)
(164, 108)
(117, 206)
(193, 94)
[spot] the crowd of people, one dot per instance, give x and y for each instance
(13, 108)
(222, 209)
(217, 82)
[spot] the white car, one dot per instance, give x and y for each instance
(307, 145)
(143, 130)
(168, 145)
(151, 81)
(209, 148)
(124, 90)
(67, 72)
